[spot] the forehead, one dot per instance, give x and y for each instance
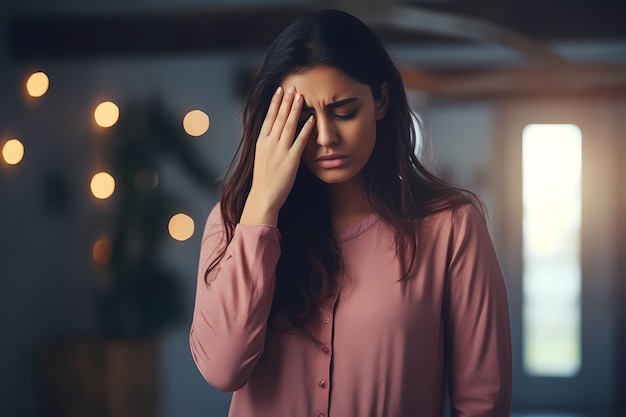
(325, 83)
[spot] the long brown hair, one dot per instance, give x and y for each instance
(398, 186)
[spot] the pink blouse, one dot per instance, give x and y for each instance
(387, 347)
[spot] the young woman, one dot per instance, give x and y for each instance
(338, 277)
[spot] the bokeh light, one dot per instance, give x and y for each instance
(102, 251)
(196, 123)
(102, 185)
(12, 151)
(106, 114)
(181, 227)
(145, 179)
(37, 84)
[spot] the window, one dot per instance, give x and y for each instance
(551, 175)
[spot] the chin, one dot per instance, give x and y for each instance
(332, 181)
(334, 178)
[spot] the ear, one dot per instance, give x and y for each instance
(383, 101)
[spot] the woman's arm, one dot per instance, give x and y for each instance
(233, 301)
(233, 304)
(478, 326)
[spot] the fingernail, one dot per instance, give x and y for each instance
(311, 119)
(279, 90)
(298, 97)
(291, 88)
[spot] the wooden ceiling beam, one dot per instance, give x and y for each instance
(512, 23)
(577, 80)
(418, 19)
(34, 37)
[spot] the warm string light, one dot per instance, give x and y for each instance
(106, 114)
(102, 185)
(37, 84)
(13, 151)
(196, 123)
(102, 251)
(181, 227)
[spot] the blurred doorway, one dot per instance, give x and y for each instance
(557, 164)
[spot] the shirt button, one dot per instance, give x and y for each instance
(326, 319)
(323, 384)
(321, 415)
(325, 350)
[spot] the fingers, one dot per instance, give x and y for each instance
(301, 139)
(291, 124)
(283, 112)
(266, 128)
(282, 117)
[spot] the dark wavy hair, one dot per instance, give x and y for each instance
(398, 186)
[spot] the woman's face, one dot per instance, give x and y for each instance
(345, 122)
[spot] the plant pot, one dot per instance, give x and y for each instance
(100, 378)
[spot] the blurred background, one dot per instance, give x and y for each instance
(117, 117)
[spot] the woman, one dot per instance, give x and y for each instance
(337, 276)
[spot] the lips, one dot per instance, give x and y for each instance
(331, 161)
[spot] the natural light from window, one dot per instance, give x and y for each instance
(552, 156)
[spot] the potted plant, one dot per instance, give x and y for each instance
(116, 373)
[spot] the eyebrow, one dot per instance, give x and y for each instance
(334, 104)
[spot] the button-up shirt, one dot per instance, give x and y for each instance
(378, 346)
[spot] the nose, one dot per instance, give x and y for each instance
(325, 131)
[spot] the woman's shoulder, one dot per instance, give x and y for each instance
(454, 211)
(214, 217)
(214, 222)
(216, 211)
(454, 222)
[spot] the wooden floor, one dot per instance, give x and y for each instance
(598, 413)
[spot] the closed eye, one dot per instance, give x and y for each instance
(348, 116)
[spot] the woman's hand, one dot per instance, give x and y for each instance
(277, 158)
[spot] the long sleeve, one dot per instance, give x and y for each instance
(232, 304)
(478, 324)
